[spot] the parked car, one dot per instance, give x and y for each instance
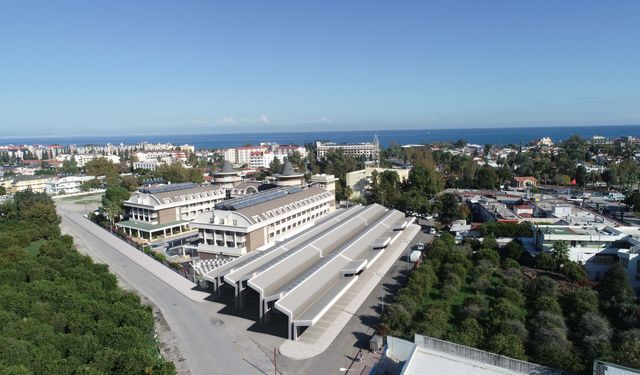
(433, 230)
(420, 246)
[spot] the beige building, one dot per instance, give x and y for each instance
(288, 176)
(359, 181)
(37, 184)
(166, 210)
(244, 224)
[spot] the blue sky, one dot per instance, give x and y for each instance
(98, 67)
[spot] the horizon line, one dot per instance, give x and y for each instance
(316, 131)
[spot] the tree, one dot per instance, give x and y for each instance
(69, 166)
(542, 286)
(275, 166)
(627, 350)
(574, 271)
(594, 335)
(507, 344)
(560, 253)
(424, 180)
(100, 167)
(581, 176)
(633, 201)
(487, 178)
(449, 208)
(513, 250)
(112, 202)
(577, 302)
(3, 190)
(544, 261)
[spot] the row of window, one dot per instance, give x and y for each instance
(292, 206)
(299, 222)
(190, 197)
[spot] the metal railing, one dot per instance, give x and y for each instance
(484, 357)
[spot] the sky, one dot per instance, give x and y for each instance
(172, 67)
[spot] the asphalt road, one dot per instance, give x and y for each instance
(203, 340)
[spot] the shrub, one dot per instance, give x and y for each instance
(574, 271)
(544, 261)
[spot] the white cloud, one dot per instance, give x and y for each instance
(263, 119)
(227, 120)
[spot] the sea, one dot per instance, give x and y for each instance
(482, 136)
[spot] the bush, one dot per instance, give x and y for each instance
(544, 261)
(507, 344)
(574, 271)
(505, 310)
(489, 255)
(469, 332)
(513, 250)
(542, 286)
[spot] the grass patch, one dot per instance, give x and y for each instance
(34, 248)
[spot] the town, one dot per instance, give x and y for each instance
(328, 257)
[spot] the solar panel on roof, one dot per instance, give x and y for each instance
(261, 197)
(168, 188)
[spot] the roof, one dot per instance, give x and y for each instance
(175, 193)
(288, 171)
(149, 227)
(307, 296)
(278, 203)
(524, 178)
(434, 356)
(247, 268)
(227, 167)
(265, 196)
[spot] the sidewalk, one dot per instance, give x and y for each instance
(317, 338)
(171, 278)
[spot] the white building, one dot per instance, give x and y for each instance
(368, 150)
(261, 159)
(230, 155)
(288, 150)
(597, 247)
(151, 165)
(66, 185)
(243, 154)
(82, 159)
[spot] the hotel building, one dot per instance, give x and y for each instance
(166, 210)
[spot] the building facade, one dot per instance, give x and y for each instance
(370, 150)
(166, 210)
(66, 185)
(241, 225)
